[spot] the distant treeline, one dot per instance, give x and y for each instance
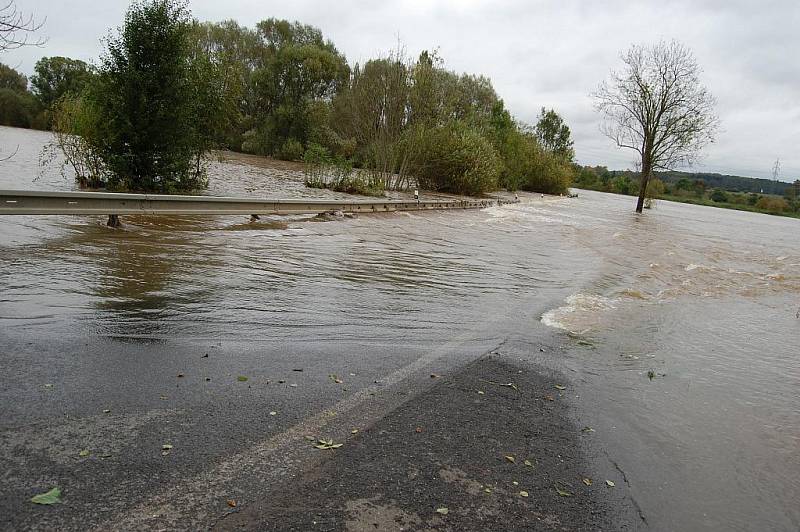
(596, 175)
(736, 192)
(280, 89)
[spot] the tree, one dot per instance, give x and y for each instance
(18, 107)
(657, 107)
(16, 27)
(13, 80)
(156, 99)
(554, 135)
(57, 76)
(296, 67)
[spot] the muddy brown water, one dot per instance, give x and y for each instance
(705, 299)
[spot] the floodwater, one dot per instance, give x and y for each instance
(702, 299)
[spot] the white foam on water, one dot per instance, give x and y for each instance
(579, 313)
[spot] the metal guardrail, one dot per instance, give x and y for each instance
(109, 203)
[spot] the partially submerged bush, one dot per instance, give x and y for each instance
(458, 159)
(534, 169)
(336, 173)
(291, 150)
(75, 125)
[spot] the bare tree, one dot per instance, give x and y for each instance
(657, 107)
(16, 27)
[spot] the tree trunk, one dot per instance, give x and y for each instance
(643, 186)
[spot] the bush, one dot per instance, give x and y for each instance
(529, 167)
(291, 150)
(719, 196)
(336, 173)
(457, 159)
(75, 123)
(772, 204)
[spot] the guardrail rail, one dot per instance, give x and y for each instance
(14, 202)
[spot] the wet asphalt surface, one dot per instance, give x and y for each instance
(242, 452)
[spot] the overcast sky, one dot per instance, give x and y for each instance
(537, 53)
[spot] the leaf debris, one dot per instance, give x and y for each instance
(51, 497)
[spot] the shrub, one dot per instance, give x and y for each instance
(336, 173)
(291, 150)
(75, 123)
(772, 204)
(719, 196)
(529, 167)
(458, 159)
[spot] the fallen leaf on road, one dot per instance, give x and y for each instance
(523, 493)
(310, 438)
(335, 378)
(610, 483)
(327, 444)
(515, 482)
(510, 459)
(549, 397)
(84, 452)
(434, 376)
(354, 431)
(166, 447)
(231, 503)
(587, 481)
(481, 392)
(48, 385)
(292, 386)
(487, 490)
(418, 430)
(587, 429)
(560, 387)
(51, 497)
(106, 411)
(241, 378)
(563, 493)
(443, 511)
(273, 413)
(528, 463)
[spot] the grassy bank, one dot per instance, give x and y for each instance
(727, 205)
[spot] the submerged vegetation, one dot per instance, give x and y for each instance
(169, 89)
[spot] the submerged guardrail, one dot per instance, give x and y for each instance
(14, 202)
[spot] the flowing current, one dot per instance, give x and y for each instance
(680, 326)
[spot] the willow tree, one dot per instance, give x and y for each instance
(657, 107)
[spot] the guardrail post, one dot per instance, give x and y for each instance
(113, 221)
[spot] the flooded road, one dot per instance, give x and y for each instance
(703, 298)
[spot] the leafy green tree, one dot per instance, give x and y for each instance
(235, 51)
(13, 80)
(157, 100)
(554, 135)
(297, 67)
(17, 109)
(57, 76)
